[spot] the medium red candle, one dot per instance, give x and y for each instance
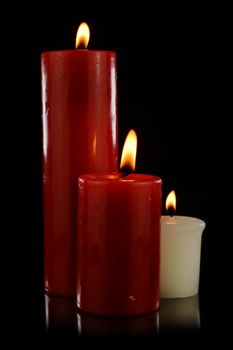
(118, 241)
(79, 115)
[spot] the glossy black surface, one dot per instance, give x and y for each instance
(175, 315)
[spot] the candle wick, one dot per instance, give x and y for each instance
(171, 212)
(81, 46)
(125, 170)
(124, 174)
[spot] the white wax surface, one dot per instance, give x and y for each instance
(180, 256)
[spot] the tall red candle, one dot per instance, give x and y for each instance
(79, 115)
(118, 243)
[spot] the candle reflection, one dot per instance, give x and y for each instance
(89, 325)
(60, 313)
(180, 314)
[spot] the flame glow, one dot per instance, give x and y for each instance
(82, 36)
(171, 201)
(128, 158)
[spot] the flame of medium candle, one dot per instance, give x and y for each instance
(82, 36)
(128, 158)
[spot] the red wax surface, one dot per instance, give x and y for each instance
(79, 115)
(118, 244)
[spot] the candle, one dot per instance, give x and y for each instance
(79, 115)
(119, 240)
(180, 253)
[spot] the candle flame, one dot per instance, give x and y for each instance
(128, 158)
(171, 201)
(82, 36)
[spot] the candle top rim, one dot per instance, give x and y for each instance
(79, 51)
(131, 178)
(182, 221)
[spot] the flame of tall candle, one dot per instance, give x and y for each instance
(82, 36)
(171, 202)
(128, 158)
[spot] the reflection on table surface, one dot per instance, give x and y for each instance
(180, 314)
(140, 325)
(174, 315)
(60, 313)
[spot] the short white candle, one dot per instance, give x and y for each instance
(180, 256)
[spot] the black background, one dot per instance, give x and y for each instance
(171, 89)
